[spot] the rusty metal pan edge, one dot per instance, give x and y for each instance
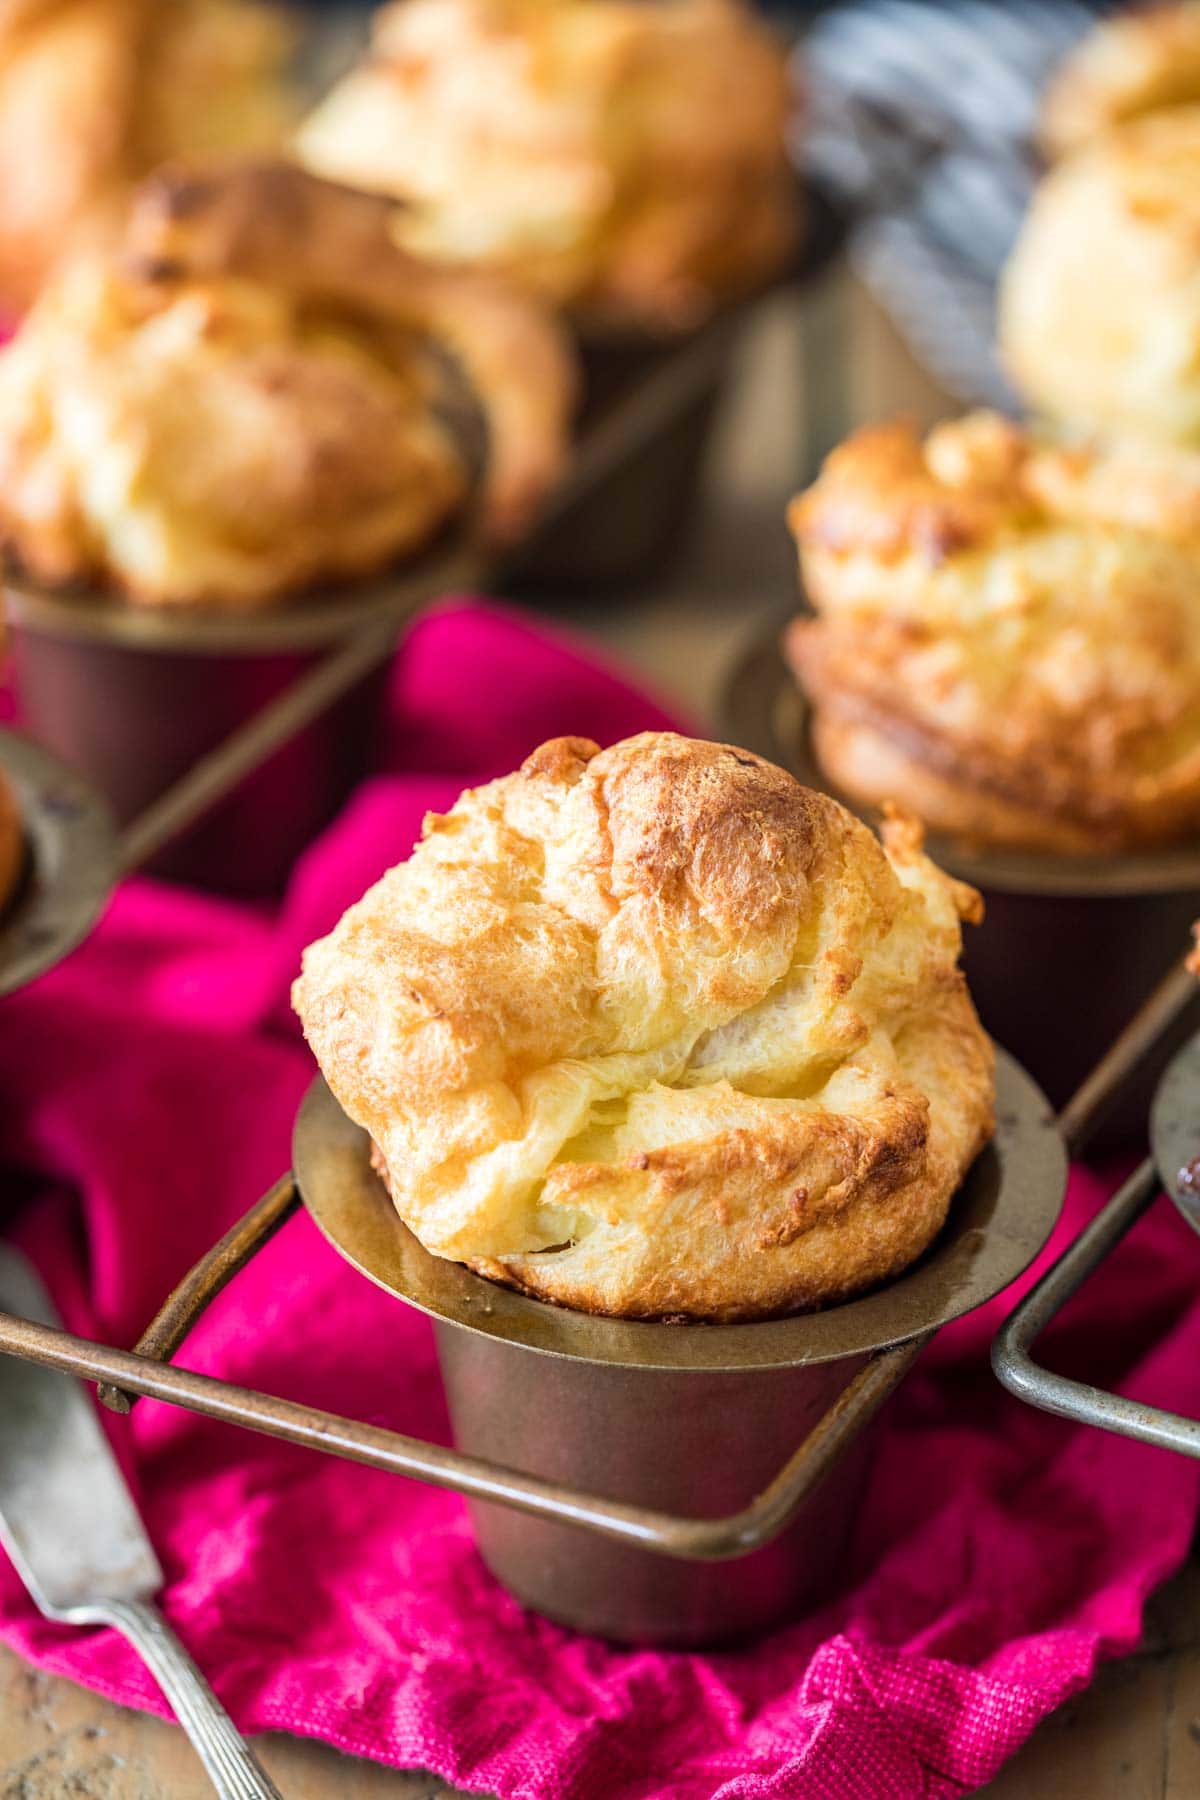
(1000, 1219)
(762, 708)
(72, 862)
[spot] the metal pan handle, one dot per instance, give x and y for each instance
(1078, 1400)
(124, 1373)
(201, 1285)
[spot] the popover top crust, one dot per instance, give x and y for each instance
(1142, 61)
(243, 397)
(623, 159)
(1007, 631)
(656, 1031)
(1100, 302)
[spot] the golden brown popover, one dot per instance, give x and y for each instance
(655, 1031)
(94, 94)
(12, 842)
(1144, 60)
(1007, 633)
(246, 396)
(624, 159)
(1100, 303)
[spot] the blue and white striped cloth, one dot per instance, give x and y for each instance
(920, 118)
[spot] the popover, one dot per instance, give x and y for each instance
(654, 1031)
(94, 94)
(622, 159)
(248, 395)
(1100, 301)
(1006, 632)
(1144, 60)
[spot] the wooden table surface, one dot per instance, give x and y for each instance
(1136, 1734)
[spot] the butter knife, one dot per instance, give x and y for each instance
(69, 1524)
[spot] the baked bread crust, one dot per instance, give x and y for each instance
(622, 159)
(12, 843)
(655, 1031)
(1143, 61)
(243, 397)
(1007, 632)
(1100, 302)
(96, 93)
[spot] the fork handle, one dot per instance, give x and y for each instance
(232, 1769)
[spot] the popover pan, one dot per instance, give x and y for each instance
(694, 1420)
(1069, 945)
(676, 1484)
(70, 863)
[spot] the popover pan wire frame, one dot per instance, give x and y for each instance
(71, 859)
(123, 1374)
(1175, 1143)
(998, 1222)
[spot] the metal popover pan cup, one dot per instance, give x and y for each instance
(1173, 1167)
(134, 697)
(662, 394)
(663, 1483)
(70, 862)
(1069, 946)
(694, 1420)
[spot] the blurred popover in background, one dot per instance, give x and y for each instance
(1006, 633)
(1144, 60)
(655, 1031)
(625, 160)
(250, 393)
(1100, 302)
(94, 94)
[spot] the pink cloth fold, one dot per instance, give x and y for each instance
(147, 1089)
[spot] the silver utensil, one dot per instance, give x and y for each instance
(69, 1524)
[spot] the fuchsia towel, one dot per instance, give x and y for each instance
(147, 1090)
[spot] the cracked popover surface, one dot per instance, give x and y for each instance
(655, 1031)
(625, 160)
(1007, 632)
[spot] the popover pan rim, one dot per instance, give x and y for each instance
(451, 565)
(999, 1220)
(72, 861)
(1175, 1126)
